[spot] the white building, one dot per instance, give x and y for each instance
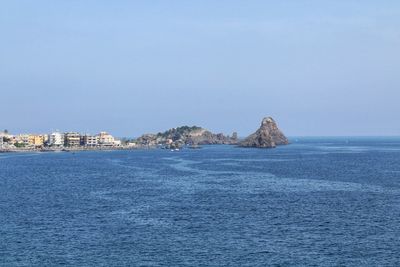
(117, 142)
(89, 140)
(106, 139)
(56, 139)
(131, 144)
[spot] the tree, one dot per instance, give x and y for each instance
(19, 145)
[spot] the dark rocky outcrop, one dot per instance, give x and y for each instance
(267, 136)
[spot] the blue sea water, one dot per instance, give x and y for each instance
(316, 202)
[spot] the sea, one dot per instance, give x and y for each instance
(315, 202)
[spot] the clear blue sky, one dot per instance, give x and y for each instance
(131, 67)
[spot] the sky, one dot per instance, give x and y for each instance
(319, 68)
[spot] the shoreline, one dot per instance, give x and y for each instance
(105, 148)
(66, 149)
(78, 149)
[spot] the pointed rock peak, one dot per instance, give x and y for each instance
(267, 120)
(267, 136)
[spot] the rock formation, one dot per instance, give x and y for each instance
(185, 135)
(267, 136)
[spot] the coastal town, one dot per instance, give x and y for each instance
(56, 141)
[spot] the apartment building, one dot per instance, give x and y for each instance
(89, 140)
(56, 139)
(72, 139)
(106, 139)
(36, 140)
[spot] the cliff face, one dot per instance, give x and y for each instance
(267, 136)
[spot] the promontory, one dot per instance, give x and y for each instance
(185, 135)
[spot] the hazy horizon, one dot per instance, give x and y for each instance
(319, 68)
